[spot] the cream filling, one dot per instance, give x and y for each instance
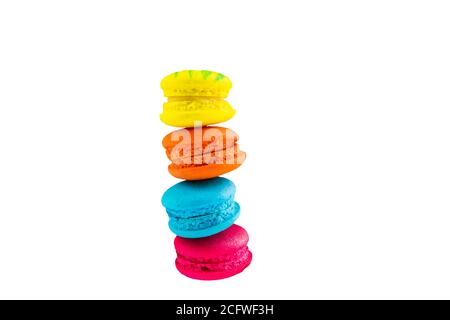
(193, 98)
(196, 104)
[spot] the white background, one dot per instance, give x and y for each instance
(342, 108)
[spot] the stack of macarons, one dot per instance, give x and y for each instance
(202, 209)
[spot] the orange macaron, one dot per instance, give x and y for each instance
(202, 152)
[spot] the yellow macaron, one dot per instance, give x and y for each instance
(196, 97)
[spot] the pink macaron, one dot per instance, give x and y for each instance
(215, 257)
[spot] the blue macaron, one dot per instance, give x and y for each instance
(201, 208)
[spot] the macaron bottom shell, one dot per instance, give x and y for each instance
(202, 172)
(209, 231)
(204, 272)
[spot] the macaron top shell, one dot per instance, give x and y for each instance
(197, 194)
(225, 243)
(196, 83)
